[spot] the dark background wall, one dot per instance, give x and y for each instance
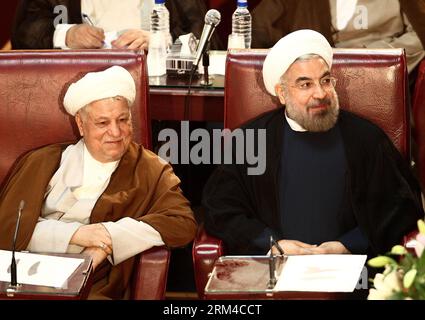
(6, 19)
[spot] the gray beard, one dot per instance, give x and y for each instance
(320, 122)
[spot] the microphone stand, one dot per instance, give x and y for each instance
(272, 267)
(13, 272)
(272, 272)
(207, 80)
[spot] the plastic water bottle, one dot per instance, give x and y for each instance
(160, 39)
(160, 21)
(157, 55)
(145, 15)
(241, 22)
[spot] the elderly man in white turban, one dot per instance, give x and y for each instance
(105, 195)
(334, 183)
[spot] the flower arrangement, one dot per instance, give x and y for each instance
(403, 278)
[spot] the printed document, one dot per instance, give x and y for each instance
(37, 269)
(321, 273)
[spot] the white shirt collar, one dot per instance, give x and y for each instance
(96, 171)
(294, 125)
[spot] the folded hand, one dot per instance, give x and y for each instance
(93, 235)
(331, 247)
(84, 36)
(132, 39)
(97, 255)
(294, 247)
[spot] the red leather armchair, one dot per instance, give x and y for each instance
(370, 83)
(419, 120)
(32, 115)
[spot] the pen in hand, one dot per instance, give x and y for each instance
(86, 19)
(277, 245)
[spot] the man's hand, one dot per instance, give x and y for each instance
(331, 247)
(294, 247)
(93, 235)
(97, 254)
(84, 36)
(132, 39)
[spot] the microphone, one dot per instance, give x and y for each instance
(212, 19)
(13, 272)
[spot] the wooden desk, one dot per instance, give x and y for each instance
(76, 288)
(168, 94)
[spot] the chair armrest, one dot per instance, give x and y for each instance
(205, 251)
(149, 280)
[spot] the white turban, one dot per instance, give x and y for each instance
(112, 82)
(290, 48)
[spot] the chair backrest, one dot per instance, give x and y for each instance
(33, 84)
(371, 84)
(419, 121)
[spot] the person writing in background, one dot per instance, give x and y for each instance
(47, 24)
(377, 24)
(334, 182)
(104, 196)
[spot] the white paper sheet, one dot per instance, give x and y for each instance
(217, 63)
(321, 273)
(109, 37)
(37, 269)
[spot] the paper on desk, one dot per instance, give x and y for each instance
(321, 273)
(109, 37)
(37, 269)
(217, 63)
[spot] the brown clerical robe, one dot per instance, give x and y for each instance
(143, 187)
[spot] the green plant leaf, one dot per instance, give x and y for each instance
(398, 250)
(397, 296)
(420, 264)
(407, 262)
(421, 226)
(381, 261)
(420, 290)
(409, 278)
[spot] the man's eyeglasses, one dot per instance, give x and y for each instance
(326, 83)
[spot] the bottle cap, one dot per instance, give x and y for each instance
(243, 3)
(159, 1)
